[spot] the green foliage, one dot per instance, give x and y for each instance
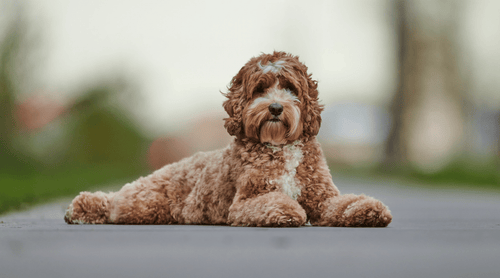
(100, 146)
(462, 173)
(10, 51)
(18, 191)
(103, 134)
(458, 174)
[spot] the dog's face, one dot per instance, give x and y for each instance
(273, 100)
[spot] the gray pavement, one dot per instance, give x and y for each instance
(434, 233)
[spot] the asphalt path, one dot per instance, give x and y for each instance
(434, 233)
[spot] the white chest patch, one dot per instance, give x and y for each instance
(289, 184)
(272, 67)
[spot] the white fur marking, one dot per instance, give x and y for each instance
(275, 149)
(350, 208)
(292, 96)
(257, 101)
(293, 157)
(272, 67)
(69, 211)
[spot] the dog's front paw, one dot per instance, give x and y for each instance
(285, 218)
(275, 218)
(355, 211)
(367, 213)
(269, 210)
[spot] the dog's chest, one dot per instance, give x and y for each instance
(292, 156)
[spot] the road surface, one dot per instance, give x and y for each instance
(434, 233)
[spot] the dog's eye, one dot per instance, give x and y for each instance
(291, 89)
(258, 90)
(286, 85)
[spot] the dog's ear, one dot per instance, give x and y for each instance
(312, 109)
(233, 106)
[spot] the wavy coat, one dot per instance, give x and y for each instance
(274, 173)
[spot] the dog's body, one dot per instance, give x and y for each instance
(273, 174)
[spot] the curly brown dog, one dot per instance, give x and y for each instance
(273, 174)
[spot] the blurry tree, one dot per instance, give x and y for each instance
(396, 149)
(103, 133)
(100, 131)
(428, 107)
(498, 143)
(51, 149)
(13, 52)
(8, 45)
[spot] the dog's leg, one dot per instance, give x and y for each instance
(141, 202)
(273, 209)
(325, 206)
(351, 210)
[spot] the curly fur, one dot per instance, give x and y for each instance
(273, 174)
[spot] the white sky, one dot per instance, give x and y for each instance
(184, 52)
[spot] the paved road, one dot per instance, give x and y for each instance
(433, 234)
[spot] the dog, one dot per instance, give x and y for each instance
(273, 174)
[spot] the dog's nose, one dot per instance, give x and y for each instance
(276, 109)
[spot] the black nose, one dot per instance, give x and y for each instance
(276, 109)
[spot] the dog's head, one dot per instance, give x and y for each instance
(273, 100)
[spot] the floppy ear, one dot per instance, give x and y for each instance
(312, 109)
(234, 108)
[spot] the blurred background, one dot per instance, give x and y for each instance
(100, 92)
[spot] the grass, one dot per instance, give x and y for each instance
(21, 190)
(485, 176)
